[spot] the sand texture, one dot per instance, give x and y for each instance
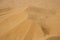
(28, 20)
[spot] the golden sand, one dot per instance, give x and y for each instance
(30, 23)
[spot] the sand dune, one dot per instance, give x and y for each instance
(28, 23)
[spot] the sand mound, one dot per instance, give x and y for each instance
(26, 23)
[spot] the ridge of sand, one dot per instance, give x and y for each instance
(28, 23)
(9, 21)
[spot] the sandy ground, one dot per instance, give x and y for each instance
(29, 19)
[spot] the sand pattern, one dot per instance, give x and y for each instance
(28, 23)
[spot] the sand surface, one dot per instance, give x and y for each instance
(29, 20)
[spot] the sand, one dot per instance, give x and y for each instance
(30, 22)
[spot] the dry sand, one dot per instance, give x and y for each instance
(29, 22)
